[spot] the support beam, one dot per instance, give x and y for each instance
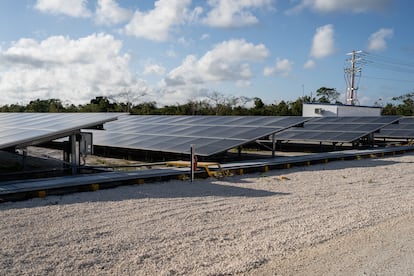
(193, 165)
(24, 158)
(74, 156)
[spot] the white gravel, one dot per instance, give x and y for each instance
(246, 224)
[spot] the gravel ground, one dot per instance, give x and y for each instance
(344, 217)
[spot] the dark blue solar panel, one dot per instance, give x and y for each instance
(336, 129)
(209, 134)
(403, 130)
(19, 129)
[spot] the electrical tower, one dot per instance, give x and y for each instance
(352, 73)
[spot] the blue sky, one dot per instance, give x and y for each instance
(173, 51)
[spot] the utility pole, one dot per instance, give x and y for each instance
(350, 74)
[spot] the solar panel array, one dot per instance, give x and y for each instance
(336, 129)
(209, 134)
(31, 128)
(403, 130)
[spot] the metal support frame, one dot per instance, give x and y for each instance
(192, 165)
(24, 158)
(74, 154)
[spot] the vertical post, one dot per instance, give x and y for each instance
(273, 145)
(73, 155)
(352, 71)
(192, 155)
(24, 158)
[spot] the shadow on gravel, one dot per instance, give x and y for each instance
(230, 187)
(172, 189)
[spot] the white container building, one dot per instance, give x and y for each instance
(334, 110)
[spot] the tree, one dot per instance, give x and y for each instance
(280, 109)
(259, 107)
(218, 104)
(225, 105)
(327, 95)
(12, 108)
(406, 107)
(126, 98)
(55, 105)
(51, 105)
(146, 108)
(258, 103)
(296, 107)
(389, 109)
(100, 104)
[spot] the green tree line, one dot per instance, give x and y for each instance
(216, 105)
(103, 104)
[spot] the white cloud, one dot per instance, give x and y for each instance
(74, 8)
(194, 15)
(108, 12)
(204, 36)
(183, 41)
(355, 6)
(376, 41)
(234, 13)
(323, 42)
(282, 67)
(59, 67)
(227, 61)
(156, 24)
(154, 69)
(309, 64)
(171, 53)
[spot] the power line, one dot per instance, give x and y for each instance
(388, 79)
(388, 63)
(390, 60)
(366, 59)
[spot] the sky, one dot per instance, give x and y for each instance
(175, 51)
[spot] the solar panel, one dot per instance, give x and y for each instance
(20, 129)
(336, 129)
(403, 130)
(209, 134)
